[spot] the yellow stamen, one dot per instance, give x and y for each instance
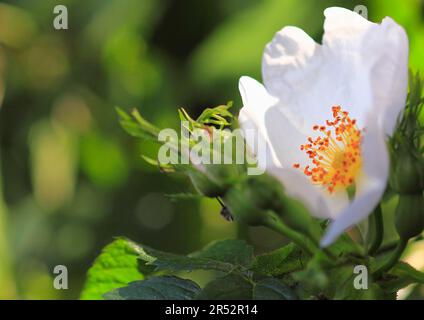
(335, 156)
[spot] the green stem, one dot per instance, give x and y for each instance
(379, 230)
(273, 222)
(391, 245)
(394, 258)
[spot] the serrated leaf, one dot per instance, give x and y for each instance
(173, 262)
(233, 251)
(229, 287)
(273, 289)
(280, 261)
(401, 276)
(116, 266)
(206, 259)
(374, 292)
(341, 286)
(313, 278)
(156, 288)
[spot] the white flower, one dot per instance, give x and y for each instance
(361, 68)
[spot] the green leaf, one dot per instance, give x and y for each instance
(225, 256)
(218, 115)
(135, 125)
(278, 262)
(401, 276)
(173, 262)
(341, 280)
(236, 252)
(163, 167)
(313, 279)
(345, 246)
(156, 288)
(229, 287)
(116, 266)
(341, 286)
(273, 289)
(374, 292)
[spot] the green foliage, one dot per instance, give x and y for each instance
(345, 246)
(156, 288)
(280, 261)
(127, 54)
(273, 289)
(313, 279)
(286, 273)
(229, 287)
(282, 274)
(225, 256)
(401, 276)
(116, 266)
(299, 269)
(232, 257)
(135, 125)
(219, 116)
(236, 252)
(407, 139)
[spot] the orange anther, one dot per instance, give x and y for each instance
(335, 159)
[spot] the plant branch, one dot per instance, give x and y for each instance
(391, 245)
(393, 259)
(379, 231)
(273, 222)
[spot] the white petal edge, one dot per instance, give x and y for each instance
(298, 186)
(389, 80)
(361, 65)
(370, 187)
(256, 101)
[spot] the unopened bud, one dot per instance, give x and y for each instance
(410, 215)
(205, 185)
(239, 201)
(254, 198)
(407, 176)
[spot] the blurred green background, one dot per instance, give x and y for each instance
(70, 178)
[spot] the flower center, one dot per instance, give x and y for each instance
(335, 154)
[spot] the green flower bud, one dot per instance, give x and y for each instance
(407, 174)
(265, 192)
(216, 178)
(268, 193)
(243, 207)
(205, 185)
(297, 217)
(410, 215)
(226, 174)
(255, 197)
